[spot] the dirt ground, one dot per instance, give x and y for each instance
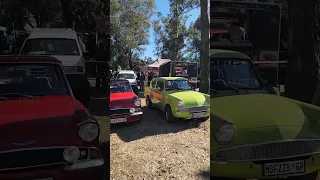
(155, 149)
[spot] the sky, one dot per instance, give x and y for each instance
(163, 7)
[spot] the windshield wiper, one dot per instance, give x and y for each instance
(6, 95)
(230, 86)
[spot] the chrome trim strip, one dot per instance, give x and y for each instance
(85, 164)
(26, 167)
(43, 148)
(136, 113)
(120, 109)
(269, 142)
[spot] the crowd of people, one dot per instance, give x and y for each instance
(146, 77)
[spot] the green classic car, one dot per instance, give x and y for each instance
(255, 134)
(175, 97)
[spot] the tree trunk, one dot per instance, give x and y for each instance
(130, 59)
(302, 67)
(204, 51)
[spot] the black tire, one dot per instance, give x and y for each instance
(168, 114)
(310, 176)
(205, 118)
(149, 103)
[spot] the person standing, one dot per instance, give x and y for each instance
(142, 78)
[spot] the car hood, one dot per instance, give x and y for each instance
(257, 111)
(190, 98)
(41, 121)
(261, 118)
(121, 100)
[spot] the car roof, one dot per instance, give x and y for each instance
(65, 33)
(221, 53)
(28, 59)
(119, 80)
(171, 78)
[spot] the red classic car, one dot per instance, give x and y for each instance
(45, 133)
(125, 105)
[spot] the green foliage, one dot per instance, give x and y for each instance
(130, 24)
(171, 31)
(79, 14)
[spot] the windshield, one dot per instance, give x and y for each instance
(126, 76)
(32, 79)
(178, 85)
(231, 74)
(54, 46)
(119, 86)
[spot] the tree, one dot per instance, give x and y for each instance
(171, 31)
(130, 23)
(193, 44)
(302, 67)
(205, 44)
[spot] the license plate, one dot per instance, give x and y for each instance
(281, 168)
(199, 115)
(118, 120)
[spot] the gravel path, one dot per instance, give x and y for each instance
(154, 149)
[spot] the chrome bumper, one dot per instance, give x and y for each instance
(85, 164)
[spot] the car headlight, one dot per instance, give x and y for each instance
(225, 133)
(89, 131)
(71, 154)
(179, 103)
(132, 110)
(137, 102)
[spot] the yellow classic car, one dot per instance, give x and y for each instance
(175, 97)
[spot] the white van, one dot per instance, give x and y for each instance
(130, 76)
(65, 45)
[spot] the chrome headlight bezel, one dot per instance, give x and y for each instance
(71, 154)
(180, 103)
(89, 131)
(223, 130)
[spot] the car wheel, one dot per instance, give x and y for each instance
(205, 118)
(310, 176)
(168, 114)
(149, 103)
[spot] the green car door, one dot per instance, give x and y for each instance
(161, 95)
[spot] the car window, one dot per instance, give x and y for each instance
(51, 46)
(120, 86)
(178, 85)
(126, 76)
(160, 85)
(225, 74)
(32, 79)
(153, 84)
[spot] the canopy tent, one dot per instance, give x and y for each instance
(159, 62)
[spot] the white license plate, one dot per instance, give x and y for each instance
(199, 115)
(118, 120)
(291, 167)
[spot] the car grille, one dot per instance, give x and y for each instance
(275, 150)
(119, 111)
(33, 158)
(199, 109)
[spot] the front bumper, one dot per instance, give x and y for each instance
(251, 170)
(89, 166)
(189, 115)
(137, 116)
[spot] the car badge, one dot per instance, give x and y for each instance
(23, 143)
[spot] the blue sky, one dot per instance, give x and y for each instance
(163, 7)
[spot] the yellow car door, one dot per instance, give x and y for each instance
(153, 96)
(159, 93)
